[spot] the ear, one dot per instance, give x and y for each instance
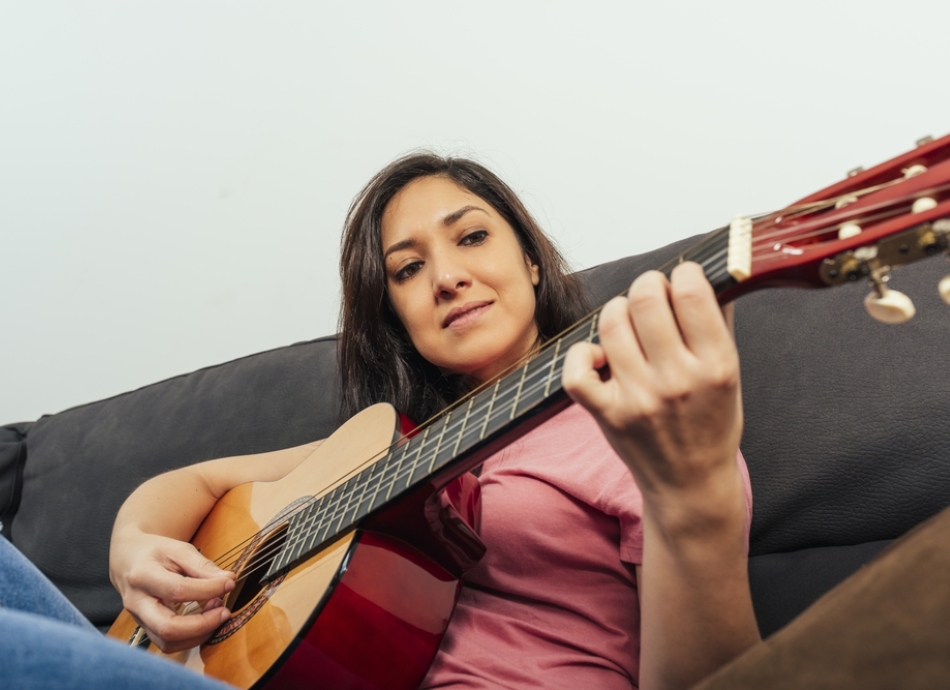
(535, 272)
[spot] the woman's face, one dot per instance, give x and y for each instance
(458, 279)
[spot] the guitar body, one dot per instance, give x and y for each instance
(367, 611)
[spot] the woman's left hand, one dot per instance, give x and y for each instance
(671, 405)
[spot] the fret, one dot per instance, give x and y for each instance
(323, 527)
(385, 465)
(593, 328)
(415, 463)
(387, 479)
(327, 503)
(461, 433)
(491, 403)
(577, 334)
(372, 479)
(402, 457)
(347, 506)
(310, 513)
(435, 453)
(291, 542)
(557, 350)
(315, 515)
(499, 416)
(324, 534)
(514, 405)
(533, 393)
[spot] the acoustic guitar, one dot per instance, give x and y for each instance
(349, 567)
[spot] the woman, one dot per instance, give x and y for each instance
(448, 282)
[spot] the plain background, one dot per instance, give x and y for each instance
(174, 175)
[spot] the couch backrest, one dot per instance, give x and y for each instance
(846, 436)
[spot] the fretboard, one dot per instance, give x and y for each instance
(482, 417)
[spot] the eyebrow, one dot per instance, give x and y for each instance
(453, 217)
(456, 215)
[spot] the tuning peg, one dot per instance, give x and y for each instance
(943, 287)
(886, 305)
(924, 203)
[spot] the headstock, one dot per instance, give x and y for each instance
(859, 228)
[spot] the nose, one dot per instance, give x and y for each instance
(450, 276)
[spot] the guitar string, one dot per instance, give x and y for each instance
(799, 210)
(262, 559)
(399, 475)
(891, 207)
(891, 211)
(758, 244)
(341, 509)
(323, 520)
(321, 523)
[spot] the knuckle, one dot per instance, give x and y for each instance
(689, 292)
(722, 375)
(176, 591)
(649, 281)
(137, 577)
(161, 633)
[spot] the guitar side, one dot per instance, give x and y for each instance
(366, 611)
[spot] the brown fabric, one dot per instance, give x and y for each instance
(887, 626)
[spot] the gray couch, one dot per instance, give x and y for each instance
(847, 437)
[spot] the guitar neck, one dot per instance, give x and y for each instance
(469, 431)
(894, 213)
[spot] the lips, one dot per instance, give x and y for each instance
(464, 313)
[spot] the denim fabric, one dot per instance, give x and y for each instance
(46, 644)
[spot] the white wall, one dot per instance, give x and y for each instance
(174, 175)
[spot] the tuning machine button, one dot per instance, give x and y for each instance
(849, 229)
(924, 203)
(943, 287)
(886, 305)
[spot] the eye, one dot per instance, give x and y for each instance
(407, 271)
(474, 238)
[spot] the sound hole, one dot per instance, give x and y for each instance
(257, 562)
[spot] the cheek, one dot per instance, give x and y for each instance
(414, 319)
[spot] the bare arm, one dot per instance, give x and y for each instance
(671, 409)
(152, 565)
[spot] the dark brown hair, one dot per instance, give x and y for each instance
(378, 362)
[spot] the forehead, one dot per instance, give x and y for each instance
(423, 204)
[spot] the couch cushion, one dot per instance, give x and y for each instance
(848, 420)
(12, 459)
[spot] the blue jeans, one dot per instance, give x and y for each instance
(46, 644)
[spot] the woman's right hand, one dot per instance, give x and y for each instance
(156, 576)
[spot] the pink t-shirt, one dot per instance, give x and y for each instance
(554, 603)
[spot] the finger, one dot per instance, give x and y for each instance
(172, 632)
(697, 311)
(170, 586)
(618, 339)
(189, 561)
(581, 378)
(653, 318)
(729, 316)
